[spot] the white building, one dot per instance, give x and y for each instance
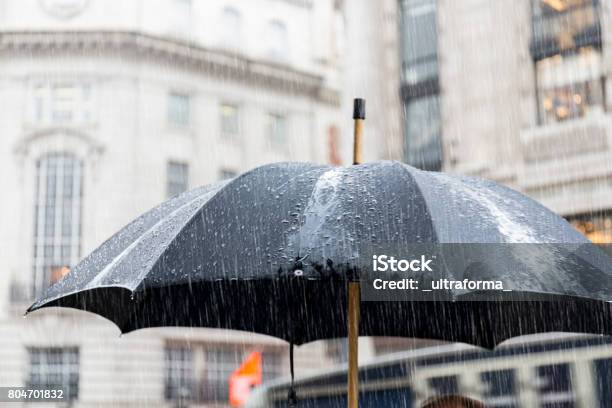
(109, 107)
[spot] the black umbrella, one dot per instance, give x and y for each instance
(272, 251)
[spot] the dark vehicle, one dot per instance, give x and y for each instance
(547, 371)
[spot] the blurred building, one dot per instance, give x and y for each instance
(371, 68)
(516, 92)
(109, 108)
(420, 84)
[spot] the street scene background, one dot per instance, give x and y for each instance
(111, 107)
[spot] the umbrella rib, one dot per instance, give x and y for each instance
(301, 175)
(100, 275)
(407, 171)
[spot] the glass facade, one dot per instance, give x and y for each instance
(420, 88)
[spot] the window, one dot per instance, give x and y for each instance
(55, 368)
(231, 28)
(603, 374)
(276, 130)
(57, 232)
(562, 25)
(444, 385)
(420, 88)
(177, 178)
(566, 48)
(178, 109)
(271, 366)
(180, 380)
(337, 350)
(61, 103)
(230, 121)
(554, 385)
(200, 372)
(570, 86)
(423, 135)
(219, 365)
(499, 388)
(419, 40)
(225, 174)
(278, 42)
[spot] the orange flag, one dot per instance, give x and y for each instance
(244, 379)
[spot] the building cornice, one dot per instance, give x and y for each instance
(217, 63)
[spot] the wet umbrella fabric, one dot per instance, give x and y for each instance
(271, 252)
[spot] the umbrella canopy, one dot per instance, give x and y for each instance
(271, 252)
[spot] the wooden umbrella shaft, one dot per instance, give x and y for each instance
(354, 287)
(358, 132)
(353, 343)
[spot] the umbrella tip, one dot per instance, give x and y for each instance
(28, 310)
(359, 108)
